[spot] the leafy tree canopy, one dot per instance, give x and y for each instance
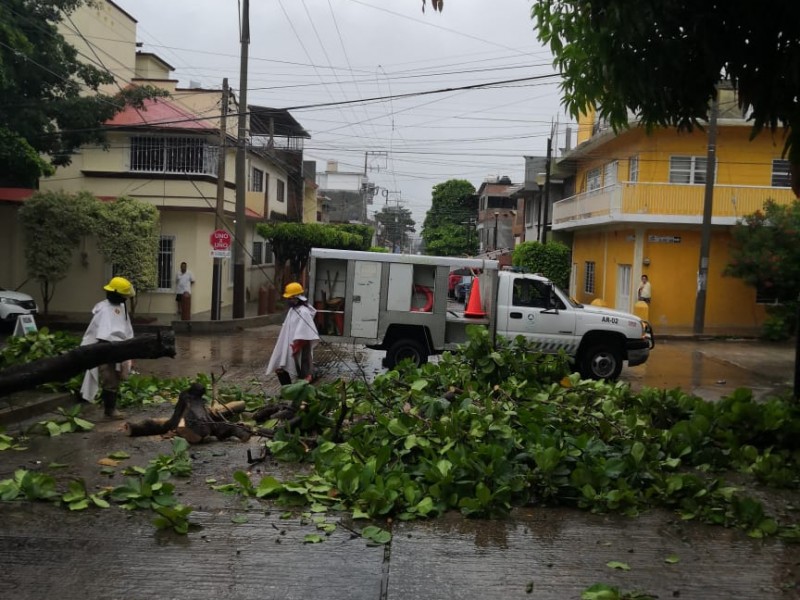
(453, 207)
(662, 60)
(766, 250)
(551, 260)
(127, 233)
(292, 242)
(46, 113)
(396, 224)
(452, 240)
(53, 224)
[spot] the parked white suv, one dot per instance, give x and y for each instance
(13, 304)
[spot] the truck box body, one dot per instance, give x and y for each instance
(362, 294)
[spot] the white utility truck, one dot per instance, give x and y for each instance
(399, 303)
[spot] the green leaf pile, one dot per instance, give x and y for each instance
(489, 428)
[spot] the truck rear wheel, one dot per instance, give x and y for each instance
(602, 361)
(403, 349)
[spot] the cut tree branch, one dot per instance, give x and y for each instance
(69, 364)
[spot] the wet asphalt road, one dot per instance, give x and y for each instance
(707, 368)
(547, 554)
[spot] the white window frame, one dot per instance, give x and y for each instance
(594, 179)
(589, 277)
(165, 265)
(688, 170)
(610, 171)
(633, 168)
(172, 154)
(781, 176)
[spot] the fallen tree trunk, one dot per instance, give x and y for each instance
(194, 421)
(69, 364)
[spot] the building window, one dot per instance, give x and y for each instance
(780, 173)
(687, 169)
(166, 262)
(594, 180)
(633, 169)
(588, 277)
(610, 173)
(256, 180)
(258, 253)
(268, 255)
(153, 154)
(281, 195)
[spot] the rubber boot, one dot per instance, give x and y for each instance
(283, 377)
(110, 405)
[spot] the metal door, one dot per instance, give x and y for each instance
(366, 296)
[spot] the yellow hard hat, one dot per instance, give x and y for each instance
(293, 289)
(120, 285)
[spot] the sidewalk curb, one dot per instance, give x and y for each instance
(227, 325)
(37, 404)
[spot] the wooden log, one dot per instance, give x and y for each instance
(193, 420)
(69, 364)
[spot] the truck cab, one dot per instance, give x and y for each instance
(599, 339)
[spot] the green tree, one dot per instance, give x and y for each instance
(396, 224)
(292, 242)
(551, 260)
(765, 253)
(662, 60)
(452, 240)
(53, 224)
(453, 208)
(46, 112)
(127, 236)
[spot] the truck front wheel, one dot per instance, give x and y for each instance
(403, 349)
(603, 361)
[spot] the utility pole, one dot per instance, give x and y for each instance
(546, 196)
(240, 232)
(708, 204)
(219, 222)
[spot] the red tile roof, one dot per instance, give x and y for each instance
(159, 112)
(15, 194)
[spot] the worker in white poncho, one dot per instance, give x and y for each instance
(293, 356)
(110, 323)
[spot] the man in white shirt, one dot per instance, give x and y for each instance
(645, 290)
(183, 285)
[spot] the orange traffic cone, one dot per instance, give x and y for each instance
(474, 306)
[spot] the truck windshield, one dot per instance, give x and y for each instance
(567, 298)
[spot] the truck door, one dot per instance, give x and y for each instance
(528, 312)
(366, 296)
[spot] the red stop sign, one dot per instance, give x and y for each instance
(220, 240)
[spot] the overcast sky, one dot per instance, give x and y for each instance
(308, 52)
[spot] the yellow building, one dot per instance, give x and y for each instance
(638, 209)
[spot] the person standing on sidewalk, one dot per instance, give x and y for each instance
(183, 285)
(645, 291)
(110, 323)
(293, 356)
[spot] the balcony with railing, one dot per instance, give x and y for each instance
(663, 203)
